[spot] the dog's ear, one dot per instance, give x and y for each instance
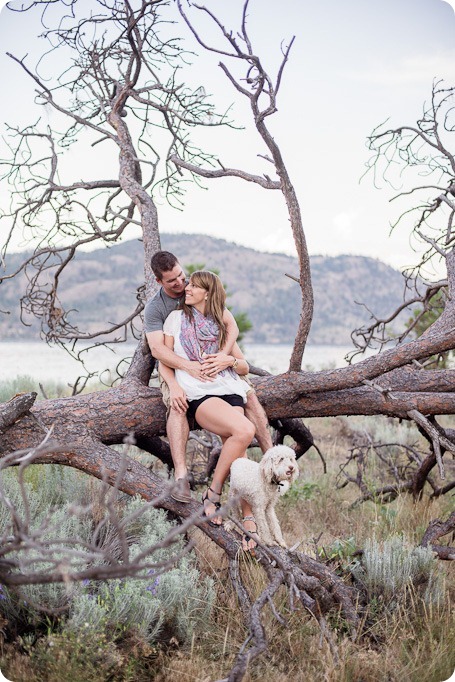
(267, 467)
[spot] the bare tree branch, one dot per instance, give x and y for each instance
(261, 93)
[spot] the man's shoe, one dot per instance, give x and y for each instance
(181, 491)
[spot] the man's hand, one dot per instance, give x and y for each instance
(177, 399)
(216, 362)
(197, 371)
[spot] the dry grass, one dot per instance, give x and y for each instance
(412, 643)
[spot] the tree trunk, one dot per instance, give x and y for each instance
(133, 407)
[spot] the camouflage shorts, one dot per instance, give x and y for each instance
(165, 394)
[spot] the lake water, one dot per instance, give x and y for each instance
(44, 363)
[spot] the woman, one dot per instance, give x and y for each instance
(194, 332)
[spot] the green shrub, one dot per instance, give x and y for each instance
(49, 523)
(58, 485)
(25, 384)
(177, 601)
(391, 569)
(341, 552)
(301, 490)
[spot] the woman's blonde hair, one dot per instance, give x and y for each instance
(216, 299)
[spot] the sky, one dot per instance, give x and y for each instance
(354, 64)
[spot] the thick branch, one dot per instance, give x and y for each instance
(15, 408)
(436, 530)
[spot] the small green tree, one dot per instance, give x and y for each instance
(243, 322)
(423, 318)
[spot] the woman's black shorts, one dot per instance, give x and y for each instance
(231, 398)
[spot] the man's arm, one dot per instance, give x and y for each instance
(177, 396)
(216, 362)
(167, 356)
(232, 332)
(162, 353)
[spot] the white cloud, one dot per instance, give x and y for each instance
(279, 241)
(343, 224)
(420, 68)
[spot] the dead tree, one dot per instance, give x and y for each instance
(116, 89)
(415, 151)
(253, 81)
(400, 468)
(437, 529)
(112, 84)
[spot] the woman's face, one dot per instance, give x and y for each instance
(194, 294)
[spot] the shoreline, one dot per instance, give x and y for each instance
(42, 362)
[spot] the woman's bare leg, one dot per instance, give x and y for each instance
(249, 524)
(235, 429)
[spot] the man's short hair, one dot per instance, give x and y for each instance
(162, 261)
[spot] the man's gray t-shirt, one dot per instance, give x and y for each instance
(157, 309)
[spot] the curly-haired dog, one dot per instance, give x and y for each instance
(261, 485)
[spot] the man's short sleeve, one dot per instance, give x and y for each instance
(154, 315)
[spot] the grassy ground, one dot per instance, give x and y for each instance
(409, 641)
(412, 642)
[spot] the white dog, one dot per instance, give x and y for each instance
(261, 485)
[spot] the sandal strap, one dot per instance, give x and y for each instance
(206, 498)
(249, 518)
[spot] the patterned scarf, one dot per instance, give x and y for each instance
(199, 336)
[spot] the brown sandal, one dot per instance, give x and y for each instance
(217, 505)
(246, 538)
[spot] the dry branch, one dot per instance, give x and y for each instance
(437, 529)
(261, 92)
(15, 408)
(113, 81)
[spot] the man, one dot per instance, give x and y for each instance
(169, 274)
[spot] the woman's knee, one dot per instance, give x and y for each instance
(244, 430)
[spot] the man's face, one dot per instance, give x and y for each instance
(173, 281)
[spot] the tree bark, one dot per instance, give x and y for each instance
(14, 409)
(436, 530)
(133, 407)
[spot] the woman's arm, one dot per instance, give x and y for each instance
(177, 396)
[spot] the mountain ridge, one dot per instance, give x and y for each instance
(102, 284)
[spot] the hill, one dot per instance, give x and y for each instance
(101, 288)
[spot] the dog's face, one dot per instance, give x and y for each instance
(279, 464)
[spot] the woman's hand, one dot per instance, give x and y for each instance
(216, 362)
(197, 371)
(177, 398)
